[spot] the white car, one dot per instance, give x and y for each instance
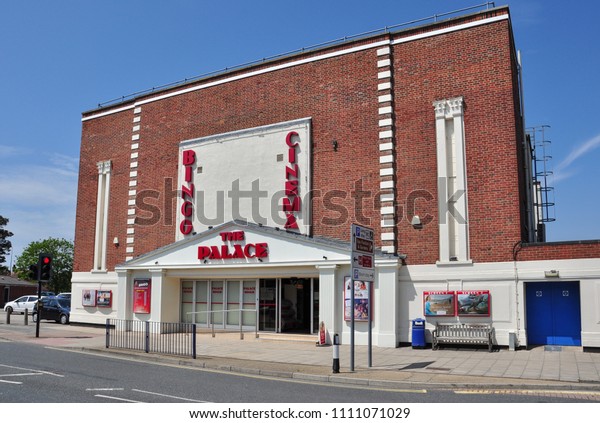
(20, 304)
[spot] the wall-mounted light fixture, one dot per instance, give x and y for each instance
(259, 259)
(551, 273)
(116, 241)
(334, 144)
(325, 257)
(416, 222)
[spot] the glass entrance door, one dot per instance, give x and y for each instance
(267, 305)
(296, 305)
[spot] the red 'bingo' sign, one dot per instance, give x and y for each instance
(187, 192)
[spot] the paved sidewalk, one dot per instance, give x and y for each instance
(300, 358)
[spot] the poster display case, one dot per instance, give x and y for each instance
(362, 300)
(438, 303)
(473, 303)
(103, 298)
(141, 296)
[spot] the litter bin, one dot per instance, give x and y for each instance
(418, 333)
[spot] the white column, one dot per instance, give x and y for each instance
(124, 295)
(156, 308)
(386, 305)
(462, 229)
(329, 300)
(442, 173)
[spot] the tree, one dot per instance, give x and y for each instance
(5, 245)
(62, 263)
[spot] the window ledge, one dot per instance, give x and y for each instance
(454, 263)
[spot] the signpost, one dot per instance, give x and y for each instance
(362, 270)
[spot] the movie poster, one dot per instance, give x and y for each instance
(438, 303)
(103, 298)
(88, 297)
(362, 301)
(473, 303)
(141, 296)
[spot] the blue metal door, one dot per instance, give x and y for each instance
(553, 313)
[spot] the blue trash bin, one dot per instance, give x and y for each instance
(418, 333)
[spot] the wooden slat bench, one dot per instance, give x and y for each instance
(463, 333)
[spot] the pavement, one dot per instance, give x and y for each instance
(298, 357)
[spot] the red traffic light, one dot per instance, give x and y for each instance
(45, 263)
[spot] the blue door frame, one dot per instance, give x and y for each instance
(553, 313)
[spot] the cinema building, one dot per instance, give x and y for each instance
(228, 199)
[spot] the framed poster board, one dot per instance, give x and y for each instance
(438, 303)
(362, 300)
(141, 296)
(103, 298)
(473, 303)
(88, 298)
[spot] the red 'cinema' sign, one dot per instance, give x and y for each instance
(291, 201)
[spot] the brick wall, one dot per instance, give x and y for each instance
(475, 64)
(560, 250)
(340, 94)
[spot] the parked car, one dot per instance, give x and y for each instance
(20, 304)
(54, 308)
(66, 295)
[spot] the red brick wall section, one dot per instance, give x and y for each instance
(106, 138)
(340, 94)
(560, 250)
(474, 64)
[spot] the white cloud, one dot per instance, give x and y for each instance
(39, 201)
(562, 171)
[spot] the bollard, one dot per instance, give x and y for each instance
(8, 317)
(336, 353)
(26, 318)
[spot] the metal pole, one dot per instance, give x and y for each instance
(39, 308)
(352, 325)
(194, 341)
(336, 353)
(107, 333)
(370, 350)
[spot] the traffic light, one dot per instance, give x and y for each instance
(45, 265)
(33, 272)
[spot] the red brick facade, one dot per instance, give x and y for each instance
(340, 94)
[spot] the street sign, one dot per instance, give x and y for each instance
(361, 260)
(362, 254)
(363, 275)
(362, 268)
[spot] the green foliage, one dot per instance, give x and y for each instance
(62, 263)
(5, 244)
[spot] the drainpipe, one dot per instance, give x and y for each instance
(516, 249)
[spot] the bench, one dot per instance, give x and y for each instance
(463, 333)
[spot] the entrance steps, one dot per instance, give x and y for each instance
(297, 337)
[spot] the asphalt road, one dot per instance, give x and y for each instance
(31, 373)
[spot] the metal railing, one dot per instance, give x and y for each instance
(152, 337)
(314, 47)
(240, 324)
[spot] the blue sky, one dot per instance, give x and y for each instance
(60, 58)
